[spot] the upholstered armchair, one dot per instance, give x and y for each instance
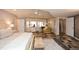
(47, 29)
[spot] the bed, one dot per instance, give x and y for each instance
(17, 41)
(10, 40)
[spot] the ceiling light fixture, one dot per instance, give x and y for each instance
(36, 12)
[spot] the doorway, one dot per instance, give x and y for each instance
(62, 27)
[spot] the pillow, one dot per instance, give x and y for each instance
(5, 33)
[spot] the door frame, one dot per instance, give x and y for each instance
(74, 26)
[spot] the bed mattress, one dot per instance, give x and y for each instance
(18, 41)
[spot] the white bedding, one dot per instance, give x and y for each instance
(18, 41)
(6, 32)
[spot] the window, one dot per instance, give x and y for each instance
(27, 24)
(35, 23)
(40, 24)
(32, 23)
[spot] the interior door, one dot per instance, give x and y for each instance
(70, 26)
(62, 26)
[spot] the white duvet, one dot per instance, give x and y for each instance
(21, 42)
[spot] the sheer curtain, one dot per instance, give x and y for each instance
(35, 24)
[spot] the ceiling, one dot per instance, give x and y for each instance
(30, 13)
(63, 12)
(43, 13)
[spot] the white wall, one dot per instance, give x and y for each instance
(56, 26)
(6, 16)
(70, 26)
(21, 25)
(7, 19)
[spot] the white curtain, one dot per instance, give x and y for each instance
(35, 24)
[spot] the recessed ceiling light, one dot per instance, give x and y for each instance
(35, 12)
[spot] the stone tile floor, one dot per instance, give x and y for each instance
(50, 44)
